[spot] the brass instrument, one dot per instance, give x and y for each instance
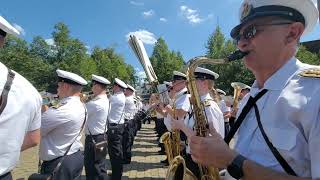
(177, 168)
(141, 53)
(201, 123)
(175, 134)
(166, 140)
(237, 86)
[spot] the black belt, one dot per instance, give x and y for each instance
(115, 124)
(59, 157)
(95, 135)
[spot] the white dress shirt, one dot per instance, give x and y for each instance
(290, 115)
(167, 120)
(224, 108)
(129, 108)
(60, 126)
(182, 101)
(117, 102)
(213, 115)
(98, 109)
(21, 114)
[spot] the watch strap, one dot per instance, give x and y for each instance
(235, 168)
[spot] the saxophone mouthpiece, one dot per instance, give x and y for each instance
(237, 55)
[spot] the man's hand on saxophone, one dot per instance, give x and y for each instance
(211, 150)
(179, 124)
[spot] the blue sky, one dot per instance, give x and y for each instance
(184, 24)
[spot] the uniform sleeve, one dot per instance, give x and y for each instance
(183, 103)
(93, 108)
(36, 120)
(215, 118)
(51, 119)
(224, 107)
(314, 146)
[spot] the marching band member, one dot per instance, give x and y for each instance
(128, 135)
(96, 129)
(279, 134)
(116, 128)
(60, 128)
(225, 110)
(20, 110)
(244, 90)
(182, 103)
(166, 117)
(204, 80)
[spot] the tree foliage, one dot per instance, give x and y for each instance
(164, 61)
(38, 60)
(218, 47)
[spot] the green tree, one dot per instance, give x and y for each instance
(164, 61)
(38, 60)
(111, 65)
(218, 47)
(15, 55)
(308, 57)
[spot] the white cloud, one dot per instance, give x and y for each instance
(144, 35)
(50, 42)
(191, 15)
(136, 3)
(163, 19)
(88, 49)
(19, 28)
(148, 14)
(141, 76)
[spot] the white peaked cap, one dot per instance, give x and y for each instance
(120, 83)
(242, 85)
(295, 10)
(130, 87)
(71, 77)
(177, 73)
(221, 92)
(100, 79)
(7, 27)
(206, 73)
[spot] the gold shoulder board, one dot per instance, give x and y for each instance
(313, 73)
(206, 102)
(58, 105)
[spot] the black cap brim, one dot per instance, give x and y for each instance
(267, 11)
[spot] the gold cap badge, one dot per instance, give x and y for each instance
(246, 10)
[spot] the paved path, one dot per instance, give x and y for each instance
(145, 161)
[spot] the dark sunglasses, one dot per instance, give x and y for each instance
(92, 84)
(250, 31)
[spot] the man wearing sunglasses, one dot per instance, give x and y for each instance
(20, 112)
(279, 121)
(204, 79)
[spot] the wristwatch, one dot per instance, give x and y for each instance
(235, 168)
